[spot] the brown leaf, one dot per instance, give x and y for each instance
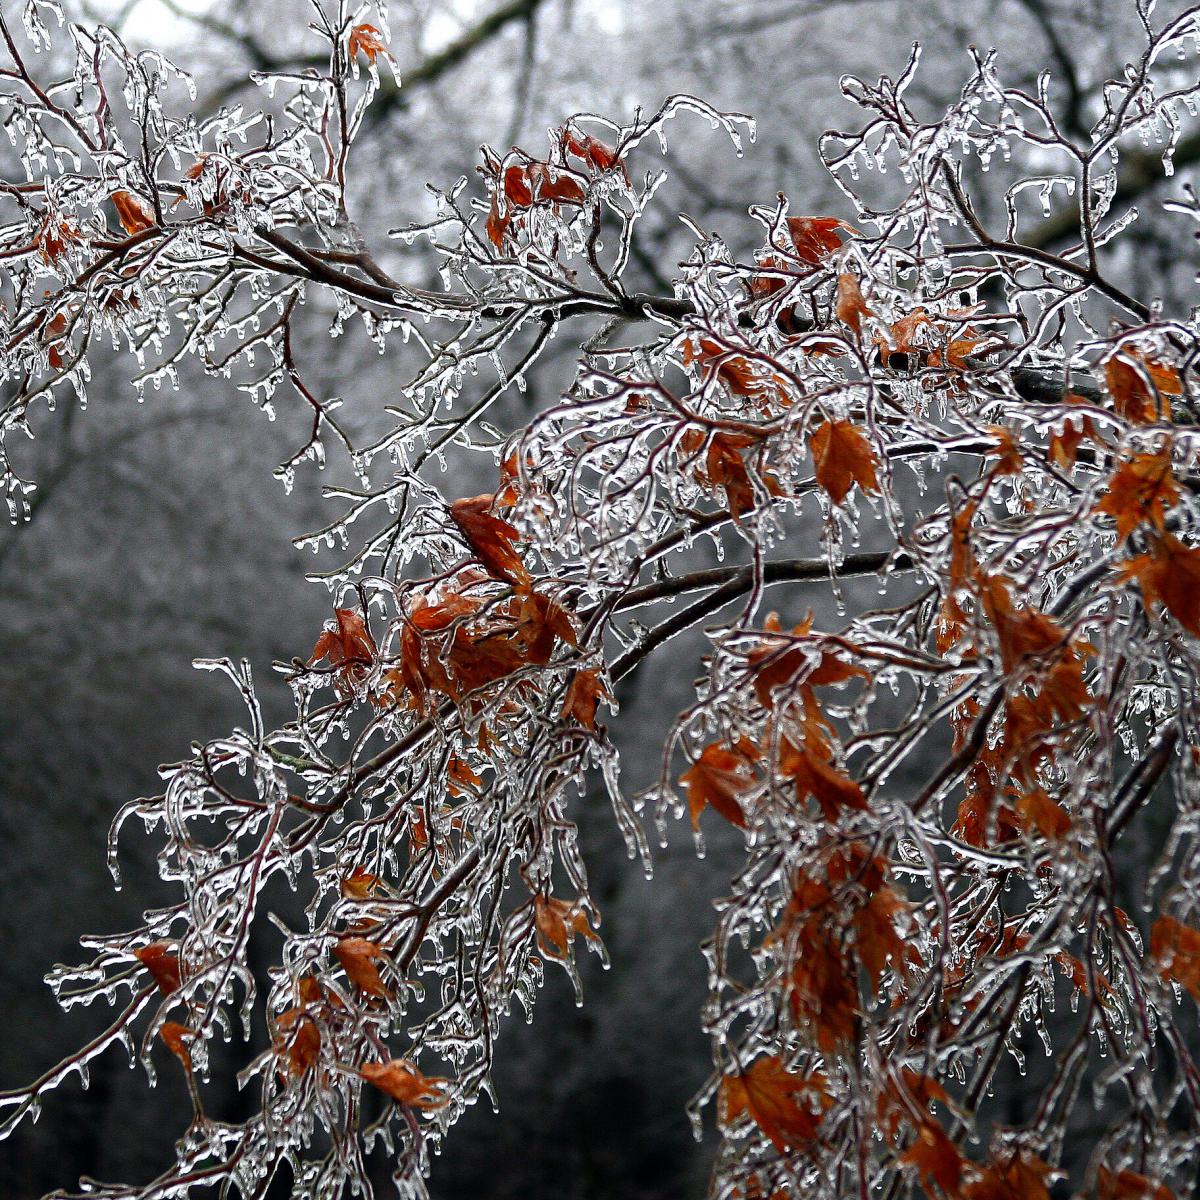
(161, 960)
(584, 694)
(851, 307)
(490, 537)
(357, 956)
(1176, 948)
(716, 779)
(400, 1079)
(134, 217)
(1141, 489)
(1141, 385)
(842, 457)
(1169, 574)
(786, 1106)
(557, 922)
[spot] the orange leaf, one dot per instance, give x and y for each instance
(176, 1037)
(1007, 450)
(1129, 1185)
(490, 537)
(715, 779)
(787, 1107)
(814, 775)
(1141, 489)
(1169, 574)
(360, 884)
(1140, 386)
(815, 238)
(584, 693)
(1038, 811)
(401, 1080)
(357, 956)
(300, 1040)
(936, 1159)
(557, 922)
(367, 41)
(1176, 948)
(133, 216)
(160, 959)
(842, 457)
(851, 307)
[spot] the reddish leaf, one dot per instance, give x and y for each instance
(1169, 574)
(815, 238)
(1141, 489)
(134, 217)
(842, 457)
(1141, 385)
(787, 1107)
(400, 1079)
(357, 956)
(584, 693)
(716, 779)
(557, 922)
(176, 1037)
(161, 960)
(490, 537)
(851, 307)
(367, 41)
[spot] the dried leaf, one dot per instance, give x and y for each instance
(400, 1079)
(842, 457)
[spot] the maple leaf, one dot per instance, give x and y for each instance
(368, 41)
(716, 779)
(357, 956)
(1169, 574)
(842, 457)
(1176, 948)
(815, 775)
(557, 922)
(162, 961)
(851, 307)
(1141, 489)
(134, 217)
(786, 1106)
(490, 537)
(1141, 385)
(1129, 1185)
(349, 648)
(584, 693)
(176, 1037)
(815, 238)
(776, 661)
(400, 1079)
(741, 375)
